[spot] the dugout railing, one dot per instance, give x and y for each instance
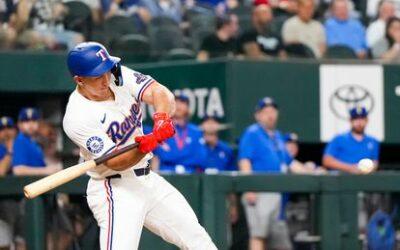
(337, 202)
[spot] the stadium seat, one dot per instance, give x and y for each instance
(117, 26)
(298, 50)
(132, 47)
(180, 54)
(163, 39)
(340, 52)
(79, 18)
(163, 21)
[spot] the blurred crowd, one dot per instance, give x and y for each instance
(145, 30)
(29, 148)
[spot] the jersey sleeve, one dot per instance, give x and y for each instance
(246, 148)
(136, 82)
(332, 148)
(20, 154)
(91, 140)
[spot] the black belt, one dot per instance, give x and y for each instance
(138, 172)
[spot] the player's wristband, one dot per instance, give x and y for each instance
(160, 116)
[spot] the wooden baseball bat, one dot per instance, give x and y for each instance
(61, 177)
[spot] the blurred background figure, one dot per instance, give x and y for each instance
(260, 41)
(8, 133)
(262, 150)
(48, 139)
(303, 29)
(223, 42)
(388, 47)
(219, 154)
(28, 156)
(137, 9)
(46, 18)
(345, 150)
(343, 30)
(185, 152)
(376, 29)
(296, 166)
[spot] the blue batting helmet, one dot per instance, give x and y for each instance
(90, 59)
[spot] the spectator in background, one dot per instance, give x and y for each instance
(388, 48)
(303, 29)
(260, 41)
(223, 42)
(28, 157)
(346, 150)
(8, 32)
(262, 150)
(7, 136)
(185, 152)
(297, 167)
(376, 30)
(133, 8)
(46, 18)
(48, 138)
(164, 8)
(342, 30)
(219, 153)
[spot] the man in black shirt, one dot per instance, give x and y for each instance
(259, 41)
(223, 42)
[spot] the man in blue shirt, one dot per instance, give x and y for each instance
(185, 152)
(28, 158)
(346, 150)
(343, 30)
(7, 136)
(219, 153)
(262, 150)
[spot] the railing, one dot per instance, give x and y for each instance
(337, 211)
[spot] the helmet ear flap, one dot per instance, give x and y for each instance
(116, 71)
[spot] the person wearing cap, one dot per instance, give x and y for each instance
(185, 151)
(28, 157)
(219, 154)
(262, 150)
(7, 136)
(345, 150)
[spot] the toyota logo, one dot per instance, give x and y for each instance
(348, 97)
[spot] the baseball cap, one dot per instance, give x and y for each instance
(182, 98)
(358, 112)
(260, 2)
(6, 122)
(29, 114)
(266, 102)
(291, 137)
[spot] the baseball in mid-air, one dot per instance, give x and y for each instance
(366, 165)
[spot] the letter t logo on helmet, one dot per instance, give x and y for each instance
(101, 53)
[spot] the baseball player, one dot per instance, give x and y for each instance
(103, 113)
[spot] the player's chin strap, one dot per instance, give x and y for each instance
(116, 71)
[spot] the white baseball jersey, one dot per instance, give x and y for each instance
(99, 127)
(123, 204)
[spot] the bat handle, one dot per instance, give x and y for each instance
(117, 152)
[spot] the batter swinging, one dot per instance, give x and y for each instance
(103, 113)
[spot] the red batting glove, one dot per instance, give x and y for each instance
(147, 143)
(163, 126)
